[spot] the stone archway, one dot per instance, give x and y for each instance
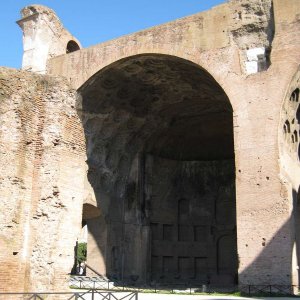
(159, 134)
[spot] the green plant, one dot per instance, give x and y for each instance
(81, 252)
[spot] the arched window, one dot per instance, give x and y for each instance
(286, 127)
(295, 136)
(295, 95)
(72, 46)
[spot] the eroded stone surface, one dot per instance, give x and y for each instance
(42, 158)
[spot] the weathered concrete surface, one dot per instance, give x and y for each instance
(41, 182)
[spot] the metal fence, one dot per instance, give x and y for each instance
(122, 292)
(271, 290)
(82, 295)
(100, 283)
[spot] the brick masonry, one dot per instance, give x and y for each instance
(42, 145)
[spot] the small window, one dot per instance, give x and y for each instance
(295, 136)
(295, 96)
(287, 127)
(72, 46)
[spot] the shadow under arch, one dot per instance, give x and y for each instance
(159, 128)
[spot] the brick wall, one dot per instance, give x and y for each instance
(41, 183)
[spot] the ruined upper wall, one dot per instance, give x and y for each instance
(248, 26)
(239, 35)
(43, 37)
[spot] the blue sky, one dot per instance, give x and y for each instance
(93, 21)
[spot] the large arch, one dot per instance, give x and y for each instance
(159, 136)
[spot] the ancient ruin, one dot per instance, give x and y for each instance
(177, 147)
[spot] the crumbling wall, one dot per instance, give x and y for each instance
(252, 30)
(43, 37)
(41, 181)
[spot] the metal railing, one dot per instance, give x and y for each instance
(100, 283)
(122, 292)
(84, 295)
(271, 290)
